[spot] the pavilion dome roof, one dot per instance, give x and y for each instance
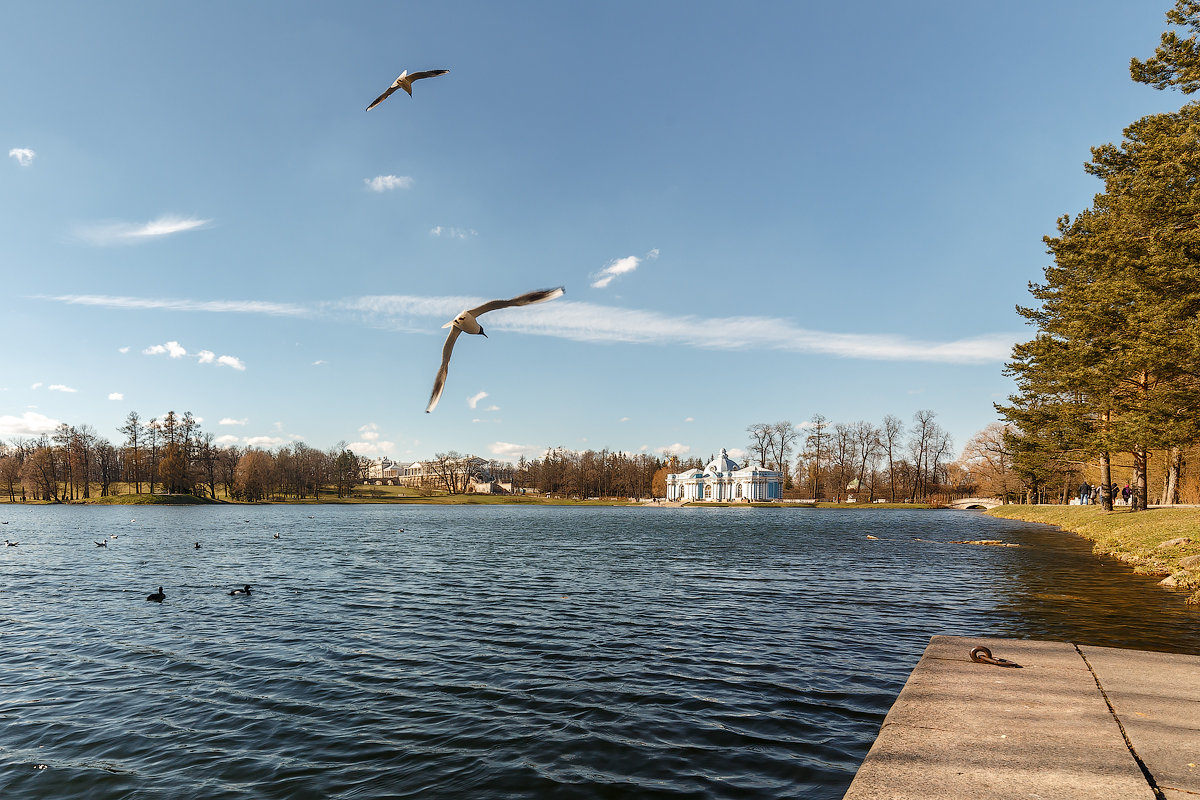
(722, 463)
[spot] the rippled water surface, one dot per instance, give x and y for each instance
(505, 652)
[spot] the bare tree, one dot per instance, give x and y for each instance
(889, 435)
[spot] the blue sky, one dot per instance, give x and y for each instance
(759, 212)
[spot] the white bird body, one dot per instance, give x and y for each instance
(404, 81)
(467, 322)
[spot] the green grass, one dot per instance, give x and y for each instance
(1133, 538)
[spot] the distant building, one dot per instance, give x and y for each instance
(725, 481)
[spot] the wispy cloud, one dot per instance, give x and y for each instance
(176, 350)
(452, 233)
(115, 396)
(264, 441)
(386, 183)
(128, 232)
(23, 155)
(372, 448)
(122, 349)
(175, 304)
(598, 323)
(593, 322)
(227, 439)
(58, 387)
(620, 266)
(28, 424)
(232, 421)
(319, 363)
(689, 419)
(473, 401)
(37, 385)
(369, 432)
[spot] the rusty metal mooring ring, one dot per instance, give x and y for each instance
(982, 655)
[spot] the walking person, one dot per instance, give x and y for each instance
(1085, 493)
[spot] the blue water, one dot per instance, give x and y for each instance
(505, 652)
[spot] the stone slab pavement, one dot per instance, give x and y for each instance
(1073, 722)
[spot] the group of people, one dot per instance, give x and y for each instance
(1089, 495)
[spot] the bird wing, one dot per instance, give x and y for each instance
(429, 73)
(383, 96)
(539, 296)
(439, 383)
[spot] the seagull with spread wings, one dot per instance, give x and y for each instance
(405, 81)
(468, 322)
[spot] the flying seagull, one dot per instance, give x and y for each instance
(467, 322)
(405, 82)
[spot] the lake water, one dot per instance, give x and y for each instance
(505, 652)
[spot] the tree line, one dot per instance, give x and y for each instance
(1113, 371)
(891, 460)
(171, 455)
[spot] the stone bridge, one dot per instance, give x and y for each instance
(976, 502)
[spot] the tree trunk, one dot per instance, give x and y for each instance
(1106, 499)
(1174, 467)
(1138, 498)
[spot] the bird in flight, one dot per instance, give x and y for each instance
(405, 81)
(468, 322)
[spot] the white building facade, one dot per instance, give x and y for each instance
(723, 480)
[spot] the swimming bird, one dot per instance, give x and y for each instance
(468, 321)
(197, 545)
(276, 536)
(158, 596)
(11, 544)
(404, 81)
(244, 590)
(101, 544)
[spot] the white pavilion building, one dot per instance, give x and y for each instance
(723, 480)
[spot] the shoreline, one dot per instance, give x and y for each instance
(441, 500)
(1159, 541)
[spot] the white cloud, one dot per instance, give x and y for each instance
(58, 387)
(122, 349)
(689, 419)
(385, 183)
(507, 451)
(264, 441)
(232, 421)
(372, 448)
(736, 453)
(115, 396)
(37, 385)
(620, 266)
(473, 401)
(319, 363)
(23, 155)
(170, 304)
(227, 439)
(492, 408)
(452, 233)
(676, 449)
(623, 419)
(176, 350)
(173, 349)
(593, 322)
(127, 232)
(28, 424)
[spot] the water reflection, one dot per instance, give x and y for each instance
(507, 652)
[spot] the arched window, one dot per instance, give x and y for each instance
(707, 492)
(737, 492)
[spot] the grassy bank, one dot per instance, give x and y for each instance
(1134, 538)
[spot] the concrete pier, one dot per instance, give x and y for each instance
(1073, 722)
